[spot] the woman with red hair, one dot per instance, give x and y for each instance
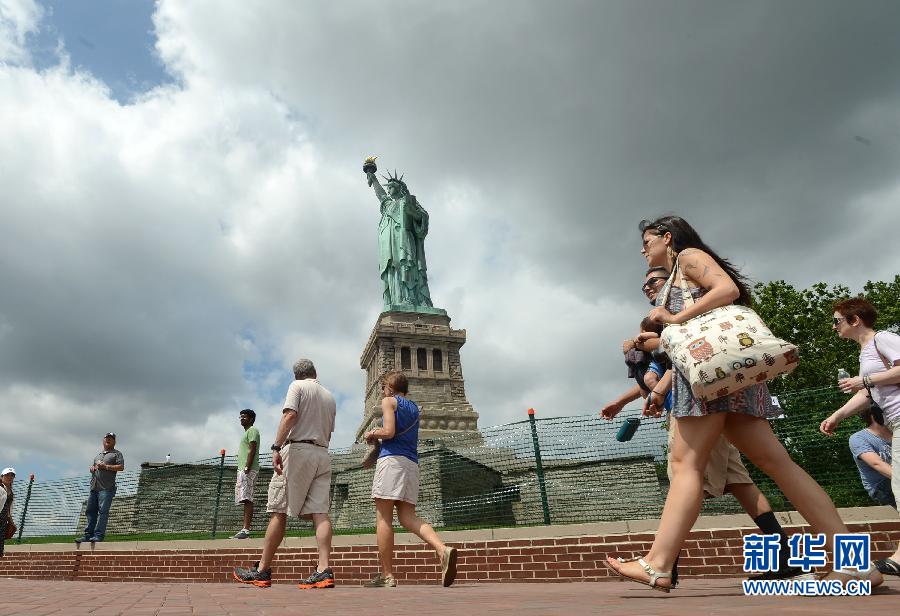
(878, 382)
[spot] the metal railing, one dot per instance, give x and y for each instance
(538, 471)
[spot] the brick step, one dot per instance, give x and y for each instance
(715, 553)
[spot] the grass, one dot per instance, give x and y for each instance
(200, 535)
(128, 537)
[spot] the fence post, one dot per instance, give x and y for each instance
(539, 467)
(218, 491)
(25, 508)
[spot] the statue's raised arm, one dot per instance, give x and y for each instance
(370, 169)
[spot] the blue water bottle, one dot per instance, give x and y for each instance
(627, 429)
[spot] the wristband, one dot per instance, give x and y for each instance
(867, 380)
(658, 393)
(275, 447)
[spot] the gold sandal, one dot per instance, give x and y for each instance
(654, 575)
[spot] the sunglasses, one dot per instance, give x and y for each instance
(837, 321)
(651, 282)
(645, 224)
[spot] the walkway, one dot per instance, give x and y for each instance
(694, 597)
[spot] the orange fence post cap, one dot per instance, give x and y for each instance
(531, 411)
(221, 452)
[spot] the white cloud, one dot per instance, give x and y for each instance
(123, 246)
(168, 259)
(18, 19)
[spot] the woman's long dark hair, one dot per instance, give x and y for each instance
(684, 236)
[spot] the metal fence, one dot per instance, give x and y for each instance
(537, 471)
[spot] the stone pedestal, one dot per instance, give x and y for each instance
(426, 349)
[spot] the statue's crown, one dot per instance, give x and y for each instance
(395, 178)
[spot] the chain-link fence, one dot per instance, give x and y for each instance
(538, 471)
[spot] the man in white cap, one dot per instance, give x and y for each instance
(103, 488)
(6, 500)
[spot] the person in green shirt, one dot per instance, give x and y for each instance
(248, 469)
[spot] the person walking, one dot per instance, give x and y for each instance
(725, 471)
(248, 469)
(103, 489)
(301, 485)
(653, 282)
(6, 502)
(741, 417)
(637, 362)
(878, 382)
(396, 482)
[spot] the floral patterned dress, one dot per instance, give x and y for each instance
(754, 400)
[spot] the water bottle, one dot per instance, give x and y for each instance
(627, 429)
(842, 374)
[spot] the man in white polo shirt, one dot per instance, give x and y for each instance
(301, 485)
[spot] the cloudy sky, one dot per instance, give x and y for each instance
(184, 211)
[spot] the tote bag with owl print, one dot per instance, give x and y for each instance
(722, 351)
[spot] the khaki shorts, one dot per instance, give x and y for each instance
(396, 478)
(243, 487)
(724, 467)
(894, 426)
(305, 485)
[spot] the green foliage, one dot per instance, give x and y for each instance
(886, 297)
(804, 318)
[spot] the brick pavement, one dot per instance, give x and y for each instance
(692, 598)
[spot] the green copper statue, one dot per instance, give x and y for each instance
(401, 245)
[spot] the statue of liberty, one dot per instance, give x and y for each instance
(401, 244)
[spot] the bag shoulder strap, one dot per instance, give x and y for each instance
(686, 296)
(883, 359)
(410, 426)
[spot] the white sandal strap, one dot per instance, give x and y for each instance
(853, 573)
(654, 575)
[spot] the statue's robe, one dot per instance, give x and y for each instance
(401, 252)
